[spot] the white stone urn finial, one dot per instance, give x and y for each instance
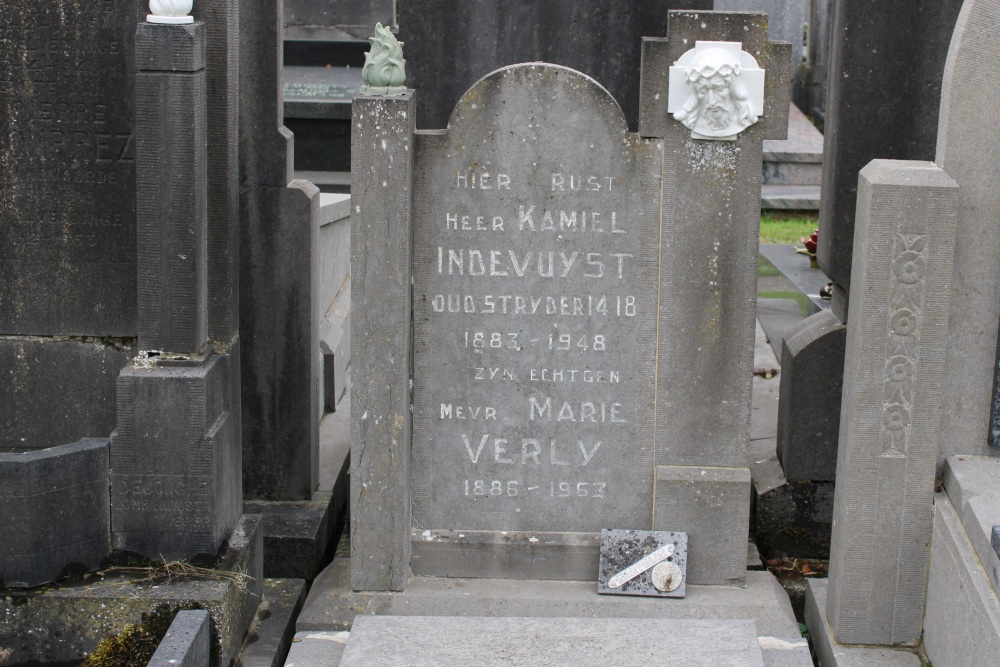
(170, 11)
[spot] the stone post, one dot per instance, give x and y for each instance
(381, 251)
(175, 455)
(891, 412)
(709, 237)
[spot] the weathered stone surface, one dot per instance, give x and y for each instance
(176, 458)
(793, 519)
(890, 416)
(54, 512)
(973, 486)
(534, 286)
(882, 103)
(812, 375)
(333, 606)
(222, 23)
(832, 654)
(67, 162)
(712, 505)
(455, 641)
(278, 329)
(786, 21)
(339, 12)
(317, 649)
(265, 153)
(298, 534)
(171, 187)
(381, 250)
(77, 377)
(446, 53)
(968, 137)
(68, 620)
(186, 643)
(962, 623)
(281, 602)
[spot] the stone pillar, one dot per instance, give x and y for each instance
(968, 135)
(281, 359)
(891, 411)
(175, 454)
(710, 227)
(381, 249)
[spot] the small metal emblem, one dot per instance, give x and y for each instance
(667, 577)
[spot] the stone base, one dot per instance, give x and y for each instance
(270, 637)
(832, 654)
(55, 513)
(962, 618)
(332, 605)
(65, 622)
(299, 535)
(401, 641)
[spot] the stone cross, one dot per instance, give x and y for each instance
(710, 199)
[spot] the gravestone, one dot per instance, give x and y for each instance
(582, 315)
(891, 414)
(447, 50)
(787, 21)
(882, 102)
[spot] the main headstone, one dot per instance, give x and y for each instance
(582, 311)
(452, 44)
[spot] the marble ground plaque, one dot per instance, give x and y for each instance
(643, 562)
(534, 292)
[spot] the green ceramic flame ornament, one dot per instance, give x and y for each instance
(385, 70)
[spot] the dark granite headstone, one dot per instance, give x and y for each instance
(67, 164)
(883, 98)
(450, 44)
(340, 13)
(54, 512)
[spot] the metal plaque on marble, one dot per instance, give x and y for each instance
(643, 562)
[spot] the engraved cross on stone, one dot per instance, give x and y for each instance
(711, 147)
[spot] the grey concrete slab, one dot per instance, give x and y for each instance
(962, 623)
(785, 651)
(67, 162)
(797, 268)
(891, 410)
(968, 135)
(973, 486)
(269, 640)
(335, 447)
(832, 654)
(54, 512)
(186, 643)
(317, 648)
(63, 623)
(332, 605)
(408, 641)
(298, 534)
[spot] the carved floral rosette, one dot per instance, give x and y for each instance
(903, 342)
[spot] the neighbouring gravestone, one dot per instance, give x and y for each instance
(175, 454)
(582, 311)
(786, 21)
(281, 361)
(349, 16)
(447, 52)
(968, 133)
(891, 414)
(882, 102)
(186, 643)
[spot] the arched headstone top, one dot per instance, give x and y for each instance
(528, 89)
